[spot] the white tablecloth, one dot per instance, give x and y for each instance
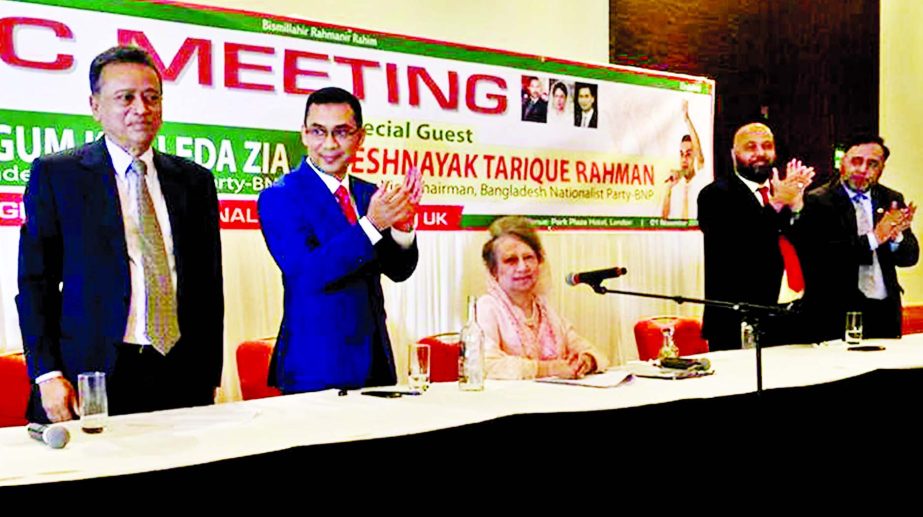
(167, 439)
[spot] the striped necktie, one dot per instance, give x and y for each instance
(871, 280)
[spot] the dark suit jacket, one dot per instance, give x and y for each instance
(831, 252)
(333, 332)
(74, 237)
(578, 117)
(538, 111)
(742, 258)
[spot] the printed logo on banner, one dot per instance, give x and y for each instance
(439, 217)
(238, 214)
(11, 209)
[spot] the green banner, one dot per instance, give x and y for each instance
(243, 160)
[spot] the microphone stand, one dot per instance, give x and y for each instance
(748, 311)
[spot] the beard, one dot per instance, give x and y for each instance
(756, 173)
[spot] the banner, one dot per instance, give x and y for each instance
(571, 145)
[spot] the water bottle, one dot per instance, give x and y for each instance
(668, 349)
(747, 336)
(471, 353)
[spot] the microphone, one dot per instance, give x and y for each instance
(55, 437)
(595, 277)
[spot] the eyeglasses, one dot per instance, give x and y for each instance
(340, 134)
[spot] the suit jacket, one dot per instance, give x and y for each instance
(742, 258)
(74, 283)
(538, 111)
(333, 332)
(831, 252)
(578, 117)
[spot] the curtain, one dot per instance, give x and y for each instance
(450, 269)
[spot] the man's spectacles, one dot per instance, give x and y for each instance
(340, 134)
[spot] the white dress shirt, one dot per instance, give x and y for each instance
(136, 326)
(135, 330)
(403, 239)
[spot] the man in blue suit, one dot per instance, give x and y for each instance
(333, 236)
(120, 259)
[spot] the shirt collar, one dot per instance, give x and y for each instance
(332, 183)
(121, 159)
(864, 196)
(752, 185)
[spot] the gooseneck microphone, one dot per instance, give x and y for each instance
(55, 437)
(595, 277)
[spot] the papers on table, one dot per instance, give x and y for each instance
(609, 379)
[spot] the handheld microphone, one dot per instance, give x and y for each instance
(55, 437)
(595, 277)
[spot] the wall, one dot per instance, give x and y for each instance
(901, 112)
(575, 30)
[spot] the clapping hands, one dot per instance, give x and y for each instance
(790, 190)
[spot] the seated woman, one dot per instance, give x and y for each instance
(525, 338)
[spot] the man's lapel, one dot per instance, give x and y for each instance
(845, 207)
(174, 193)
(743, 192)
(880, 205)
(323, 204)
(100, 196)
(362, 194)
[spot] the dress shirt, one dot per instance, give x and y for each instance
(867, 206)
(136, 327)
(754, 187)
(683, 195)
(135, 330)
(586, 117)
(403, 239)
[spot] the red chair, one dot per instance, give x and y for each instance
(14, 390)
(443, 356)
(687, 335)
(913, 319)
(253, 369)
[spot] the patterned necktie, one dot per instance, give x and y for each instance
(863, 223)
(794, 277)
(870, 286)
(345, 205)
(160, 318)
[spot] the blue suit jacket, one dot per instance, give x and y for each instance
(333, 332)
(74, 283)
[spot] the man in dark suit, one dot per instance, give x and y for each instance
(333, 236)
(852, 235)
(742, 216)
(586, 113)
(534, 107)
(120, 259)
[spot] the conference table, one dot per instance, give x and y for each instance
(816, 401)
